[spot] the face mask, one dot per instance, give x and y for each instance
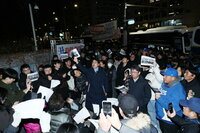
(109, 65)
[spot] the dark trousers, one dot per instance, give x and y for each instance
(168, 128)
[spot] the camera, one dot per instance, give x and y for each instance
(107, 108)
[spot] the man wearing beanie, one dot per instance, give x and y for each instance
(132, 122)
(171, 92)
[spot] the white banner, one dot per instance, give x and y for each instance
(105, 31)
(66, 49)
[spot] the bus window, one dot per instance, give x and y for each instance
(197, 37)
(187, 37)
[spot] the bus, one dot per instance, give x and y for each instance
(180, 37)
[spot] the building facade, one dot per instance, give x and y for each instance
(156, 13)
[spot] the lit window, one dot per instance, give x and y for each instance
(151, 1)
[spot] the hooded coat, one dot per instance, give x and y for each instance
(138, 124)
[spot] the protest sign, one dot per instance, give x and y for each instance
(30, 108)
(96, 108)
(114, 101)
(147, 61)
(66, 49)
(63, 56)
(33, 76)
(74, 53)
(46, 92)
(81, 115)
(122, 88)
(54, 83)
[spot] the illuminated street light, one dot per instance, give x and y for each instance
(75, 5)
(131, 21)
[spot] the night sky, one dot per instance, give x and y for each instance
(15, 18)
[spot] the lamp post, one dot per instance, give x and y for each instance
(33, 27)
(125, 27)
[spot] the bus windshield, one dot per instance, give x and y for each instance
(169, 39)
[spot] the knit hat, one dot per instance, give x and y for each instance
(128, 104)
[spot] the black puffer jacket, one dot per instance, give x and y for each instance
(187, 125)
(59, 117)
(194, 85)
(81, 84)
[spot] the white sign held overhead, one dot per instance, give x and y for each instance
(74, 53)
(33, 76)
(147, 61)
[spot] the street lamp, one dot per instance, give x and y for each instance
(32, 23)
(75, 5)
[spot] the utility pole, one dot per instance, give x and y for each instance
(33, 27)
(125, 27)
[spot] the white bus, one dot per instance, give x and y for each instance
(180, 37)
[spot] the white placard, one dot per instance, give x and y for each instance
(122, 88)
(147, 61)
(114, 101)
(96, 108)
(81, 115)
(46, 92)
(30, 108)
(54, 83)
(63, 56)
(33, 76)
(74, 53)
(109, 51)
(122, 52)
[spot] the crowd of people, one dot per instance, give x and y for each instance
(144, 98)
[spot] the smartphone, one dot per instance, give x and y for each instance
(170, 107)
(107, 108)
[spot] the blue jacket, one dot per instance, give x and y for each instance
(170, 93)
(98, 86)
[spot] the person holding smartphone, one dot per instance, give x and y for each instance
(171, 92)
(132, 122)
(191, 110)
